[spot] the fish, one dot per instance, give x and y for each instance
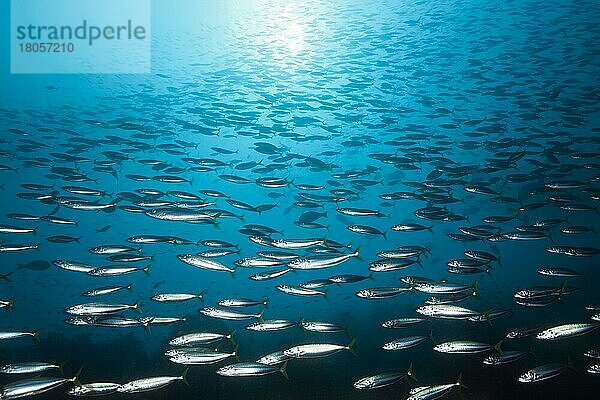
(228, 314)
(197, 355)
(382, 379)
(29, 367)
(465, 347)
(177, 297)
(204, 263)
(245, 369)
(192, 339)
(542, 373)
(317, 350)
(149, 384)
(93, 389)
(33, 386)
(566, 331)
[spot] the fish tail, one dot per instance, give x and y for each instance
(147, 324)
(283, 371)
(410, 373)
(350, 347)
(231, 339)
(184, 376)
(498, 346)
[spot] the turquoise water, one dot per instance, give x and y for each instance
(425, 98)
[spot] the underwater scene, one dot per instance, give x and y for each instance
(310, 200)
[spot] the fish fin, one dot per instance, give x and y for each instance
(184, 376)
(146, 326)
(266, 302)
(36, 336)
(530, 351)
(75, 378)
(357, 252)
(350, 347)
(136, 307)
(61, 365)
(460, 383)
(570, 364)
(498, 346)
(235, 352)
(410, 373)
(431, 336)
(231, 339)
(201, 294)
(283, 371)
(147, 270)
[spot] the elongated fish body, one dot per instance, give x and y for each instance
(505, 357)
(224, 313)
(271, 325)
(242, 302)
(390, 264)
(594, 369)
(315, 284)
(323, 327)
(73, 266)
(379, 380)
(148, 384)
(462, 347)
(299, 291)
(402, 322)
(111, 321)
(566, 331)
(249, 369)
(176, 297)
(268, 275)
(8, 248)
(275, 358)
(31, 386)
(93, 389)
(197, 356)
(29, 367)
(316, 350)
(592, 353)
(431, 392)
(295, 244)
(116, 270)
(441, 287)
(558, 272)
(99, 308)
(447, 311)
(404, 343)
(192, 339)
(113, 249)
(204, 263)
(173, 214)
(320, 262)
(542, 373)
(348, 278)
(4, 335)
(106, 290)
(154, 320)
(381, 292)
(15, 229)
(258, 262)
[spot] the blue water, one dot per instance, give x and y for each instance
(445, 84)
